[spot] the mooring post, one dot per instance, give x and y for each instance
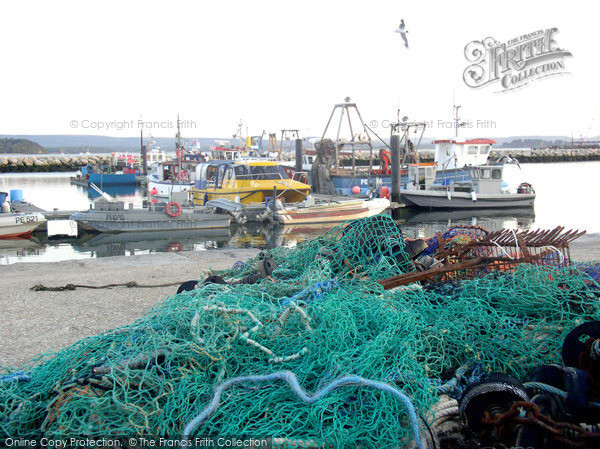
(298, 155)
(396, 172)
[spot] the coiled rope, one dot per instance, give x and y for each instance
(292, 380)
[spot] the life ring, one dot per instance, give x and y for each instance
(173, 213)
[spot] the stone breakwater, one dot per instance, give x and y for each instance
(10, 163)
(525, 156)
(62, 163)
(553, 155)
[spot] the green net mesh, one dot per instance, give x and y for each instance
(321, 316)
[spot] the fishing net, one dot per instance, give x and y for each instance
(455, 234)
(592, 269)
(321, 316)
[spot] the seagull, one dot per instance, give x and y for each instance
(506, 159)
(402, 30)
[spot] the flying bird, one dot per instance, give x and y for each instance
(402, 30)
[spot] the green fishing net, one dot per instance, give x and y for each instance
(320, 315)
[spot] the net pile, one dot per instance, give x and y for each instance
(459, 234)
(320, 316)
(591, 268)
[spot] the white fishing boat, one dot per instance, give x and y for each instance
(166, 178)
(309, 212)
(171, 177)
(19, 225)
(485, 190)
(14, 224)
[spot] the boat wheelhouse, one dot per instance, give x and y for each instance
(452, 154)
(166, 178)
(251, 181)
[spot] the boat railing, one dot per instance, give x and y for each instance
(299, 176)
(272, 177)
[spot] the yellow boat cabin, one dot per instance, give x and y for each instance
(251, 181)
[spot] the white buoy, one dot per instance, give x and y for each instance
(448, 195)
(473, 196)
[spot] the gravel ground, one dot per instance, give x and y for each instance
(40, 321)
(36, 322)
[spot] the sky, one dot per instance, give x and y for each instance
(78, 67)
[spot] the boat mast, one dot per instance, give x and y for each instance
(456, 122)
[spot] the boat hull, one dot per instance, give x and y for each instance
(332, 213)
(101, 180)
(428, 199)
(136, 221)
(344, 183)
(19, 224)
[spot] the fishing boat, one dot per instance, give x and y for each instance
(248, 182)
(486, 189)
(309, 212)
(106, 175)
(347, 164)
(17, 224)
(170, 177)
(166, 178)
(113, 216)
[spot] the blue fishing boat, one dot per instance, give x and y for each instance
(344, 156)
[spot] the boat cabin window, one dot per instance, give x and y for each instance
(485, 173)
(242, 171)
(228, 179)
(447, 150)
(472, 149)
(310, 159)
(429, 172)
(263, 172)
(474, 173)
(496, 173)
(220, 175)
(484, 149)
(211, 174)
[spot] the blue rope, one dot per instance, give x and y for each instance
(553, 390)
(238, 265)
(18, 376)
(292, 380)
(312, 293)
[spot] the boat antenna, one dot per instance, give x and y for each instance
(456, 122)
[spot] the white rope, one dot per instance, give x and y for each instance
(245, 337)
(502, 249)
(516, 243)
(560, 255)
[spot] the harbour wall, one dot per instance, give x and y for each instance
(12, 163)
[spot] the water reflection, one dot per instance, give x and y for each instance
(417, 224)
(252, 235)
(55, 191)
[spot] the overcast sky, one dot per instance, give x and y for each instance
(283, 64)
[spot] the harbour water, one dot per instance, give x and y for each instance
(565, 196)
